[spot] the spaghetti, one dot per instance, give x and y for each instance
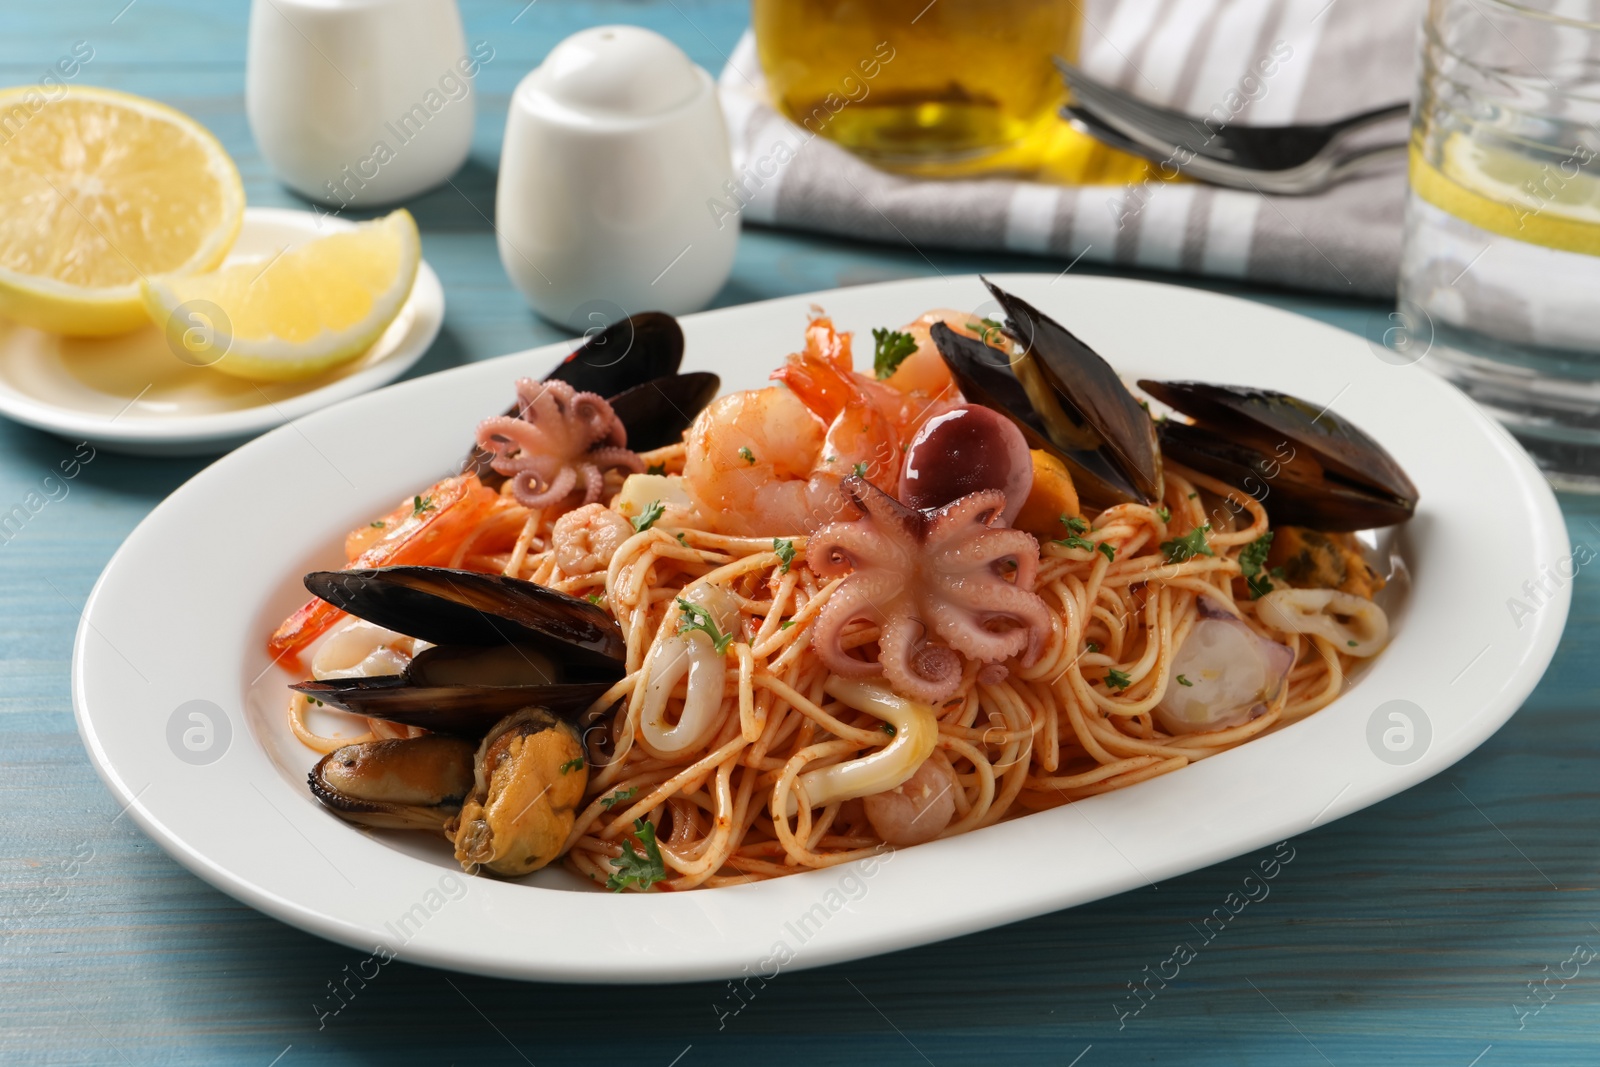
(745, 797)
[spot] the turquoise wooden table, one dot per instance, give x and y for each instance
(1440, 927)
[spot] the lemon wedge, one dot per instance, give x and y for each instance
(1554, 204)
(100, 190)
(297, 313)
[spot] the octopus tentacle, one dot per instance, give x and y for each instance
(594, 483)
(502, 434)
(986, 554)
(842, 547)
(887, 512)
(609, 456)
(922, 671)
(871, 600)
(592, 410)
(981, 510)
(532, 491)
(1006, 621)
(926, 576)
(560, 440)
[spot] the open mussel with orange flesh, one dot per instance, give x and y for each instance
(506, 803)
(1308, 466)
(512, 664)
(528, 783)
(415, 783)
(501, 644)
(1064, 397)
(633, 363)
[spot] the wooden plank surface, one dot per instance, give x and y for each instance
(1416, 932)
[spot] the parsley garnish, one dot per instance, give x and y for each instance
(785, 550)
(376, 525)
(1118, 679)
(746, 455)
(887, 727)
(1092, 646)
(1075, 541)
(891, 349)
(698, 618)
(861, 469)
(682, 540)
(1189, 545)
(785, 624)
(984, 328)
(594, 598)
(1352, 644)
(1165, 513)
(618, 797)
(647, 518)
(1184, 681)
(656, 468)
(572, 764)
(1108, 550)
(1077, 524)
(420, 504)
(1193, 495)
(1251, 565)
(638, 870)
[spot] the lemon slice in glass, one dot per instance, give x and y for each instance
(1555, 204)
(100, 190)
(297, 313)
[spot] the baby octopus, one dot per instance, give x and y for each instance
(559, 441)
(957, 573)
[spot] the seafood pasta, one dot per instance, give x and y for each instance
(675, 639)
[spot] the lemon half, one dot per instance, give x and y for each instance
(100, 190)
(297, 313)
(1553, 204)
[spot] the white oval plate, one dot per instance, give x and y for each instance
(131, 394)
(183, 610)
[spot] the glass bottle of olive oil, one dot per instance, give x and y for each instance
(914, 85)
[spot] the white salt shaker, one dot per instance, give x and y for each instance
(615, 153)
(361, 102)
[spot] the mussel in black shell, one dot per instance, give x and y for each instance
(416, 783)
(633, 363)
(628, 352)
(1065, 398)
(657, 412)
(1307, 465)
(512, 667)
(501, 644)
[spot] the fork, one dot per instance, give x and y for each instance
(1291, 160)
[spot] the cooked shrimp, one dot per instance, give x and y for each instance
(826, 343)
(822, 376)
(424, 532)
(916, 810)
(923, 373)
(861, 440)
(752, 464)
(585, 539)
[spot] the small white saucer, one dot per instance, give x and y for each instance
(131, 394)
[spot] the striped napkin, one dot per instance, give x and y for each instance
(1327, 59)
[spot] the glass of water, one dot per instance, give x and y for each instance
(1500, 274)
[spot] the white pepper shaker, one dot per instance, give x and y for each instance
(615, 153)
(361, 102)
